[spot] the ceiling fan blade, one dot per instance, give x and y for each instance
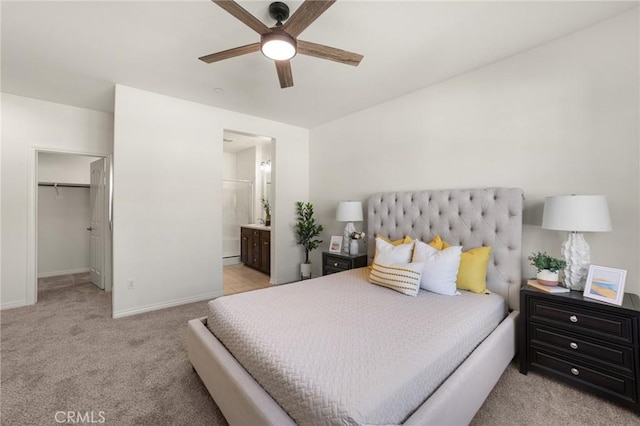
(331, 53)
(284, 73)
(241, 14)
(231, 53)
(305, 15)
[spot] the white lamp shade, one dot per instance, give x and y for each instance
(580, 213)
(349, 211)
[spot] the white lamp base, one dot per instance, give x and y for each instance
(346, 238)
(577, 254)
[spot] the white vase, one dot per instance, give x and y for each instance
(546, 277)
(353, 247)
(305, 270)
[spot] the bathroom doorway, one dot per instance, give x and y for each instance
(246, 211)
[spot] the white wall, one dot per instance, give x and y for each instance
(64, 168)
(229, 166)
(63, 240)
(246, 170)
(167, 198)
(29, 125)
(559, 119)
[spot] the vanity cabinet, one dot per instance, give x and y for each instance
(255, 249)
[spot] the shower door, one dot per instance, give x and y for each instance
(237, 210)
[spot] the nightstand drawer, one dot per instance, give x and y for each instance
(591, 350)
(581, 319)
(337, 263)
(328, 270)
(601, 382)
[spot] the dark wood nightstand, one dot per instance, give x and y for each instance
(338, 262)
(587, 343)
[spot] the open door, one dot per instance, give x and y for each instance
(97, 193)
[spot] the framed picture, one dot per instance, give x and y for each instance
(336, 244)
(605, 284)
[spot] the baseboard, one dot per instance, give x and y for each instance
(10, 305)
(169, 304)
(233, 260)
(65, 272)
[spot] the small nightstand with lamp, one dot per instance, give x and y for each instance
(348, 211)
(576, 214)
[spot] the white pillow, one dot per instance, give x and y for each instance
(401, 277)
(440, 267)
(388, 254)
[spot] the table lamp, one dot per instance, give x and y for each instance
(348, 211)
(576, 214)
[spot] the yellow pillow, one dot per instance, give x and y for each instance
(472, 274)
(406, 240)
(437, 243)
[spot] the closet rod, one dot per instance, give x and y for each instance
(66, 185)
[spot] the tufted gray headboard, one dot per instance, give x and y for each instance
(467, 217)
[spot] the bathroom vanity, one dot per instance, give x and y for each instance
(255, 247)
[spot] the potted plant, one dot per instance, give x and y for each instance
(548, 268)
(306, 232)
(267, 212)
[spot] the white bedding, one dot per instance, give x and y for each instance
(338, 350)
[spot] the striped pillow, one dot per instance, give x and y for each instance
(402, 277)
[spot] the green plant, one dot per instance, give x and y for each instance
(544, 261)
(266, 206)
(307, 229)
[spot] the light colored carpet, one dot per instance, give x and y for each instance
(67, 354)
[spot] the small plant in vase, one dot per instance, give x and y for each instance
(548, 268)
(354, 246)
(306, 232)
(267, 211)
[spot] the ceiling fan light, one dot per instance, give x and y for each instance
(278, 46)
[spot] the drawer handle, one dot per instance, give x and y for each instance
(575, 371)
(573, 318)
(335, 264)
(573, 345)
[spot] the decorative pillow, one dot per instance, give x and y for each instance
(389, 254)
(440, 267)
(406, 240)
(401, 277)
(472, 274)
(437, 243)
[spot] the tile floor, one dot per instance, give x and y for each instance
(239, 278)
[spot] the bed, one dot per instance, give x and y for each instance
(471, 218)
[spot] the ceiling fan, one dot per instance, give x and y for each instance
(280, 42)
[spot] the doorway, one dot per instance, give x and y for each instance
(72, 238)
(247, 204)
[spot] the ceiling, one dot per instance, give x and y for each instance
(236, 141)
(74, 52)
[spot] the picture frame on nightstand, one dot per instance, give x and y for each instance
(335, 246)
(605, 284)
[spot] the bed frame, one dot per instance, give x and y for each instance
(467, 217)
